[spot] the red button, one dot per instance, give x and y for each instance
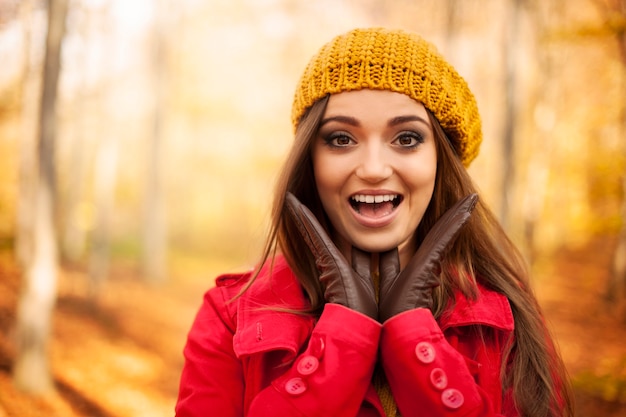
(425, 352)
(438, 378)
(295, 386)
(307, 365)
(452, 398)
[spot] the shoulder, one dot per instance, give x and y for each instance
(275, 285)
(490, 308)
(274, 277)
(231, 284)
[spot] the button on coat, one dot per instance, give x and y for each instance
(438, 378)
(452, 398)
(307, 365)
(425, 352)
(295, 386)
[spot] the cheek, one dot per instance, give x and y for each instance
(319, 173)
(421, 173)
(328, 177)
(426, 179)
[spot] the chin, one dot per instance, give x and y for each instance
(377, 246)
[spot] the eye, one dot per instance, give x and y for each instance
(409, 139)
(338, 140)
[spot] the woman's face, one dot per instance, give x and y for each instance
(375, 163)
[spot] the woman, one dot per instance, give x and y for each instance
(385, 288)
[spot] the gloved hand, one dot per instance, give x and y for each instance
(351, 287)
(412, 288)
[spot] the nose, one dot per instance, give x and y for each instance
(374, 165)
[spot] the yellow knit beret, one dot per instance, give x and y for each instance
(394, 60)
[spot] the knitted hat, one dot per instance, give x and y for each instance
(394, 60)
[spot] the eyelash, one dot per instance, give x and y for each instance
(418, 138)
(331, 139)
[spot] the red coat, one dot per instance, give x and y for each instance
(243, 359)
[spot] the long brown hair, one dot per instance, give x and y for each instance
(482, 253)
(531, 366)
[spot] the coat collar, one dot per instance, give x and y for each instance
(490, 309)
(260, 325)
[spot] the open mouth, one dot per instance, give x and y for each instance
(375, 205)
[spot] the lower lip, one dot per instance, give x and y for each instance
(374, 222)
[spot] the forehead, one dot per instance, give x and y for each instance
(373, 103)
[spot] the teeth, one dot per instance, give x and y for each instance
(362, 198)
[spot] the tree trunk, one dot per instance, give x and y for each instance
(31, 371)
(104, 188)
(155, 230)
(25, 202)
(510, 46)
(73, 232)
(616, 288)
(74, 229)
(545, 107)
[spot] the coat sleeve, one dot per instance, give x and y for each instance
(428, 376)
(212, 377)
(332, 375)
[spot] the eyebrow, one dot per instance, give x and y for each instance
(404, 119)
(392, 122)
(342, 119)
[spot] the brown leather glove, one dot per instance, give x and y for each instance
(412, 288)
(351, 287)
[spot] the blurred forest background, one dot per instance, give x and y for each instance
(139, 141)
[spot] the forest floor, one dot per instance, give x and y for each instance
(120, 355)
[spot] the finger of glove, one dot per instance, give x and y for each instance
(395, 287)
(412, 288)
(361, 297)
(355, 290)
(313, 233)
(298, 212)
(361, 265)
(361, 262)
(389, 268)
(451, 222)
(335, 273)
(441, 235)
